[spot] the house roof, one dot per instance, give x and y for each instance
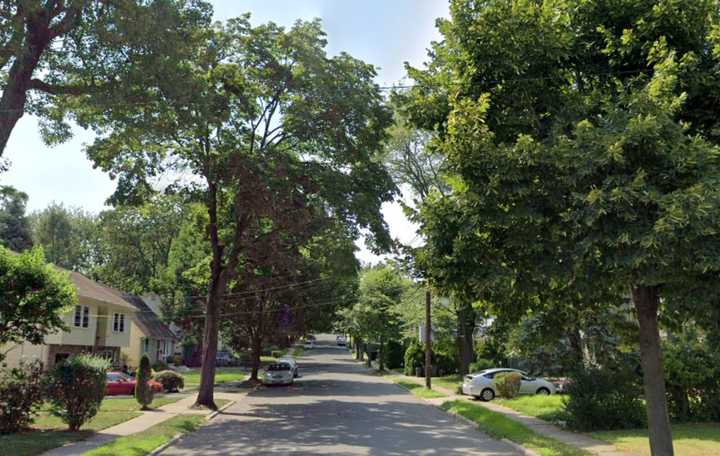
(147, 320)
(90, 289)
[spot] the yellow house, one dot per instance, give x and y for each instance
(148, 335)
(100, 323)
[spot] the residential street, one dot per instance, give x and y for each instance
(337, 407)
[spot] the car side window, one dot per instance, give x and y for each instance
(490, 376)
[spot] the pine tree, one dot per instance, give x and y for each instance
(143, 391)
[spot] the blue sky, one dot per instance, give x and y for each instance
(385, 33)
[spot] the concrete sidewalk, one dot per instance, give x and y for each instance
(146, 420)
(582, 441)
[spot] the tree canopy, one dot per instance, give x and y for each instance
(52, 52)
(251, 107)
(584, 153)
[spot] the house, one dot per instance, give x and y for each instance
(148, 334)
(99, 323)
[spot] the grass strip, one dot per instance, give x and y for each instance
(416, 389)
(451, 382)
(689, 439)
(222, 375)
(502, 427)
(146, 441)
(548, 408)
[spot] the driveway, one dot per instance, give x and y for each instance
(338, 407)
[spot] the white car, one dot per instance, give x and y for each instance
(309, 344)
(280, 373)
(293, 364)
(481, 385)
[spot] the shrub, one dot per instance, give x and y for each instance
(170, 380)
(508, 384)
(603, 399)
(277, 353)
(21, 392)
(159, 366)
(393, 355)
(143, 392)
(692, 374)
(414, 357)
(76, 388)
(480, 365)
(175, 359)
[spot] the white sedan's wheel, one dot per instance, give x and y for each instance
(544, 391)
(487, 395)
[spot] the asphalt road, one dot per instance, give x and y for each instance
(338, 407)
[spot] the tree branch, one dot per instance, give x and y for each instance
(52, 89)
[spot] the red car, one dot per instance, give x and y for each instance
(119, 383)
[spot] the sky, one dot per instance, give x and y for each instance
(385, 33)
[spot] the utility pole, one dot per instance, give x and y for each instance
(428, 341)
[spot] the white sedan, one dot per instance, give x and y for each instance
(481, 385)
(280, 373)
(293, 365)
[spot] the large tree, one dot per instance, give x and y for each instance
(584, 141)
(15, 232)
(97, 50)
(68, 237)
(135, 243)
(251, 98)
(375, 317)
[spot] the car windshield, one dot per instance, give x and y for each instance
(116, 377)
(278, 367)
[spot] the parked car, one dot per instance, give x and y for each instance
(118, 383)
(341, 341)
(293, 365)
(224, 358)
(280, 373)
(481, 385)
(309, 344)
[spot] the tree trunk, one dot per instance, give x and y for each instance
(14, 94)
(381, 355)
(647, 301)
(466, 326)
(256, 353)
(358, 349)
(212, 311)
(576, 347)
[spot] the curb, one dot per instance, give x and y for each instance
(219, 411)
(520, 448)
(524, 451)
(178, 436)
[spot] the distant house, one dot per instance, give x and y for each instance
(148, 334)
(100, 323)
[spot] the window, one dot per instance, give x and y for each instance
(147, 344)
(118, 322)
(82, 317)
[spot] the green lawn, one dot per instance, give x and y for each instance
(451, 382)
(691, 439)
(222, 375)
(500, 426)
(49, 431)
(145, 442)
(548, 408)
(417, 389)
